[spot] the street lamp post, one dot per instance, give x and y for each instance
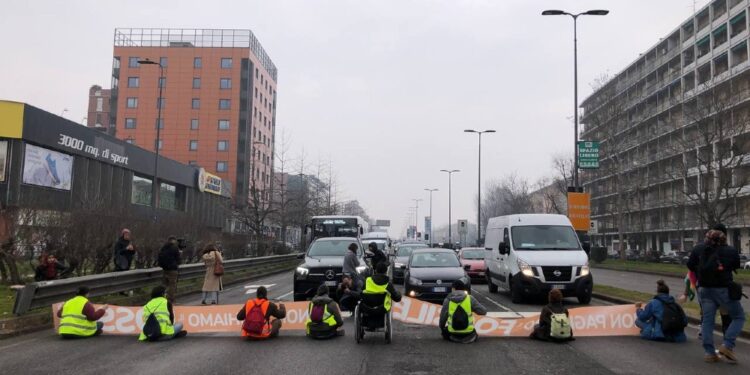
(416, 216)
(479, 182)
(594, 12)
(450, 174)
(431, 219)
(155, 185)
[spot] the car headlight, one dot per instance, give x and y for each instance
(302, 271)
(361, 269)
(526, 270)
(415, 281)
(398, 265)
(585, 269)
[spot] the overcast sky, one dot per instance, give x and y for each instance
(382, 88)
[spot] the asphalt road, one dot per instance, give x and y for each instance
(644, 282)
(415, 350)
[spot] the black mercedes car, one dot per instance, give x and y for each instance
(431, 272)
(324, 260)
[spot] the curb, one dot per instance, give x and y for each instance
(16, 326)
(691, 319)
(655, 273)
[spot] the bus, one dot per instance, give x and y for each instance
(335, 226)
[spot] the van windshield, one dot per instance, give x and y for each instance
(544, 237)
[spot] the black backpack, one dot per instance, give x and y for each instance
(673, 320)
(152, 328)
(708, 266)
(460, 319)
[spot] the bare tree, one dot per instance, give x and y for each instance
(509, 195)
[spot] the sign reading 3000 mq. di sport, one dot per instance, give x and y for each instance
(588, 155)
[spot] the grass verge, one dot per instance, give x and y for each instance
(675, 270)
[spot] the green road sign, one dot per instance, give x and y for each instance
(588, 155)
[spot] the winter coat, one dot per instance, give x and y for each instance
(211, 282)
(543, 328)
(457, 296)
(650, 317)
(123, 256)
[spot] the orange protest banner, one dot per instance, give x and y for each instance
(616, 320)
(579, 211)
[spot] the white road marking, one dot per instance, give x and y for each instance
(510, 314)
(16, 344)
(284, 295)
(254, 288)
(498, 304)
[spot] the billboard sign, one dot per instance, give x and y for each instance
(382, 223)
(463, 227)
(579, 211)
(208, 183)
(43, 167)
(588, 155)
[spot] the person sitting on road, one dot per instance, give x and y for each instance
(347, 295)
(456, 319)
(262, 318)
(78, 318)
(158, 318)
(554, 320)
(323, 316)
(379, 291)
(662, 319)
(378, 256)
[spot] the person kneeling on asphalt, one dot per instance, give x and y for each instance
(158, 318)
(347, 294)
(78, 318)
(323, 316)
(554, 320)
(257, 315)
(456, 319)
(662, 319)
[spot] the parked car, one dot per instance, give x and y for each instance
(747, 266)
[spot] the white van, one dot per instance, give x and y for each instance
(530, 254)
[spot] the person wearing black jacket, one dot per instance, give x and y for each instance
(169, 261)
(124, 251)
(713, 263)
(378, 256)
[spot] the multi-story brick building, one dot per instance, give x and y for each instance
(218, 106)
(98, 112)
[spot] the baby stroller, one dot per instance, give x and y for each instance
(370, 315)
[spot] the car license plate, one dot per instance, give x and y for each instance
(558, 286)
(331, 283)
(481, 274)
(440, 289)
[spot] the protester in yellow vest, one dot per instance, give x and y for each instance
(78, 318)
(456, 316)
(162, 311)
(323, 316)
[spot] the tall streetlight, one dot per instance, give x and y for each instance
(416, 216)
(431, 221)
(479, 182)
(594, 12)
(155, 185)
(450, 173)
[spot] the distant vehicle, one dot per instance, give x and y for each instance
(431, 272)
(380, 238)
(473, 257)
(403, 252)
(747, 266)
(324, 260)
(335, 226)
(530, 254)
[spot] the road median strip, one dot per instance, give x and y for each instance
(660, 269)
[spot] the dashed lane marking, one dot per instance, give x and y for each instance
(498, 304)
(250, 289)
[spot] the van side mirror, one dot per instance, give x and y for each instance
(301, 256)
(488, 248)
(467, 267)
(502, 247)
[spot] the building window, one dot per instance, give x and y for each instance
(192, 162)
(196, 103)
(163, 61)
(720, 35)
(133, 82)
(133, 62)
(196, 83)
(193, 145)
(703, 46)
(141, 191)
(130, 123)
(161, 102)
(222, 146)
(739, 54)
(738, 24)
(159, 144)
(159, 123)
(197, 63)
(132, 103)
(99, 104)
(194, 124)
(225, 83)
(171, 197)
(222, 166)
(256, 73)
(225, 103)
(223, 124)
(162, 81)
(226, 63)
(130, 141)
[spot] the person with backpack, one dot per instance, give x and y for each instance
(169, 261)
(212, 284)
(79, 318)
(554, 320)
(456, 316)
(261, 318)
(662, 319)
(158, 318)
(713, 264)
(323, 316)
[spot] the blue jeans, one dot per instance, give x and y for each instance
(711, 299)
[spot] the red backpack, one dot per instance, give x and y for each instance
(255, 319)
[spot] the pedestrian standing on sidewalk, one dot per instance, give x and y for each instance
(124, 251)
(169, 261)
(214, 270)
(713, 265)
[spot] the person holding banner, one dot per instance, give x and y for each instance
(78, 318)
(161, 309)
(261, 317)
(662, 319)
(554, 321)
(456, 316)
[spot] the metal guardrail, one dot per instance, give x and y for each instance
(45, 293)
